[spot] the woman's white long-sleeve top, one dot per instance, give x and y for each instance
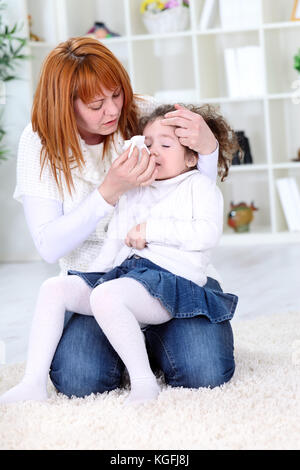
(184, 217)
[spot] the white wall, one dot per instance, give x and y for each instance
(15, 241)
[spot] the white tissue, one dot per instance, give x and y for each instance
(135, 141)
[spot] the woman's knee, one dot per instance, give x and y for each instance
(198, 375)
(84, 361)
(81, 385)
(193, 353)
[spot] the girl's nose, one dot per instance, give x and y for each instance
(153, 151)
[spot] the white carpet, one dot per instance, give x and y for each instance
(258, 409)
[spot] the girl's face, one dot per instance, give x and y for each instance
(171, 157)
(100, 117)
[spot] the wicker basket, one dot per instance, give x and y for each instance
(167, 21)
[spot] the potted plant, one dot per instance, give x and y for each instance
(297, 61)
(11, 52)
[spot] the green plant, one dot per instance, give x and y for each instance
(11, 53)
(297, 61)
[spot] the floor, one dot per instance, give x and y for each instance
(266, 279)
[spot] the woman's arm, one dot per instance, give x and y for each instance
(55, 234)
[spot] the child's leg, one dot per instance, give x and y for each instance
(118, 306)
(56, 295)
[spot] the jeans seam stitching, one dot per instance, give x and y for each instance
(167, 353)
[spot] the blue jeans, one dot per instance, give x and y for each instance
(191, 352)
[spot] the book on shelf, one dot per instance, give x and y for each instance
(244, 71)
(289, 196)
(208, 12)
(231, 69)
(240, 13)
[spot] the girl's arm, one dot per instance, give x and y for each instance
(201, 232)
(55, 234)
(208, 164)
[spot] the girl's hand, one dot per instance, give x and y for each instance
(136, 237)
(127, 173)
(192, 130)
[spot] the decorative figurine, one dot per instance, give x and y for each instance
(240, 216)
(298, 157)
(101, 31)
(244, 154)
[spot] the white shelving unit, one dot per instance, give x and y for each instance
(192, 61)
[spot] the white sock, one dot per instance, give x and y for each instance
(56, 295)
(120, 306)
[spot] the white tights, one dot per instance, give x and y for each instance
(119, 306)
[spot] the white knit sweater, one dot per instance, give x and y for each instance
(86, 181)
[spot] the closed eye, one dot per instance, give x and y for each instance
(117, 93)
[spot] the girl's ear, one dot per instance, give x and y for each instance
(191, 159)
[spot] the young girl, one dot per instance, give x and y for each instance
(151, 268)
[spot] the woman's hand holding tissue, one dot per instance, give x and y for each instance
(127, 173)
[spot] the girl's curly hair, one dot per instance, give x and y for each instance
(225, 135)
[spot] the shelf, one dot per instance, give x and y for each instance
(283, 96)
(227, 99)
(152, 37)
(41, 44)
(248, 167)
(217, 31)
(189, 66)
(258, 238)
(282, 25)
(286, 166)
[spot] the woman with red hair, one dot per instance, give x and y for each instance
(71, 172)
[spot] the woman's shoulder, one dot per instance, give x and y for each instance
(29, 138)
(30, 182)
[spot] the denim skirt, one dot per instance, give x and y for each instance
(180, 297)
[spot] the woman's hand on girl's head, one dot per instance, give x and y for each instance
(192, 130)
(127, 173)
(136, 237)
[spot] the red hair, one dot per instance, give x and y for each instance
(77, 68)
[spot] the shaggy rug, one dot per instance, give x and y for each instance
(258, 409)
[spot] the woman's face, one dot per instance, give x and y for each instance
(171, 157)
(100, 117)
